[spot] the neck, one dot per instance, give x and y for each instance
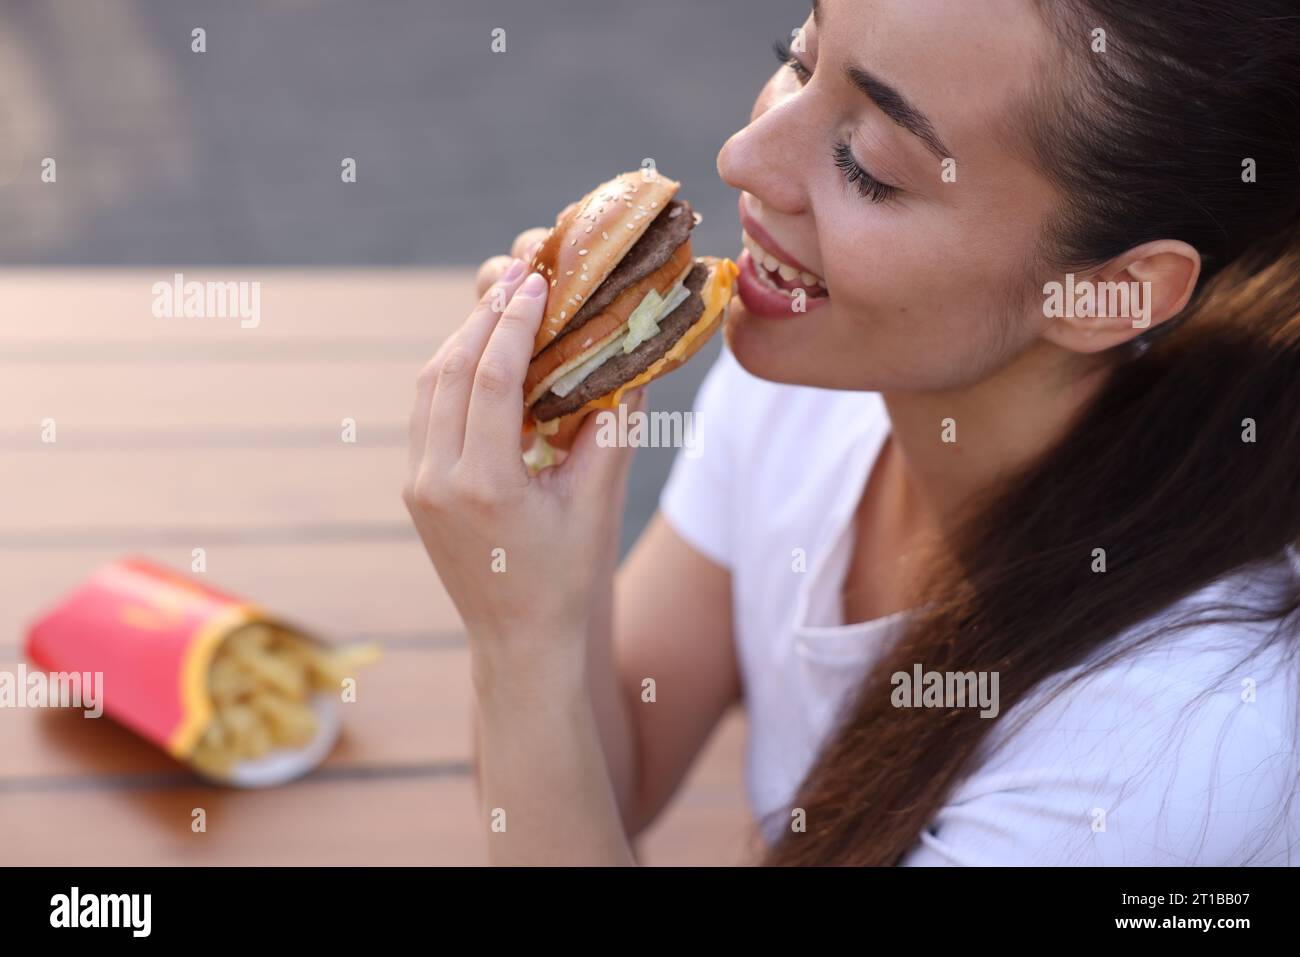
(1001, 425)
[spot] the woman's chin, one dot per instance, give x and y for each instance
(739, 332)
(768, 349)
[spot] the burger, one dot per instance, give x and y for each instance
(628, 302)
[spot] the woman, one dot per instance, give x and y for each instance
(933, 469)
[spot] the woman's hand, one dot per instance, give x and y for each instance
(524, 247)
(528, 560)
(520, 555)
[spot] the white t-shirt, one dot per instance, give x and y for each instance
(1156, 760)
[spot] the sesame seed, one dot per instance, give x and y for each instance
(569, 273)
(564, 314)
(582, 252)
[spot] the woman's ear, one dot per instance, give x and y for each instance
(1147, 285)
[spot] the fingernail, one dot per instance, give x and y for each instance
(534, 287)
(514, 272)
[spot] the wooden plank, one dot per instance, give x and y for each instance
(116, 401)
(342, 588)
(373, 812)
(78, 495)
(83, 307)
(421, 818)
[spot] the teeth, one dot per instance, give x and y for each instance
(771, 264)
(766, 279)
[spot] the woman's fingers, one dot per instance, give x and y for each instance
(524, 247)
(425, 382)
(456, 373)
(491, 270)
(496, 405)
(526, 243)
(594, 466)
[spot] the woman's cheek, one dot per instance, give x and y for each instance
(852, 271)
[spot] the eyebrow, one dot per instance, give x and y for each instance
(892, 103)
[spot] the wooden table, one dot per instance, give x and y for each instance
(179, 433)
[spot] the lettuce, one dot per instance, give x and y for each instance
(642, 325)
(570, 380)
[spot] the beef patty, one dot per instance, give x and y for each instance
(651, 251)
(623, 367)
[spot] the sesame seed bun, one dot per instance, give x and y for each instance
(590, 238)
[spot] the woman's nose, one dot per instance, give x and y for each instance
(770, 158)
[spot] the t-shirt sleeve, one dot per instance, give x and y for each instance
(698, 496)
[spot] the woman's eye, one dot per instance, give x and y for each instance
(866, 184)
(787, 58)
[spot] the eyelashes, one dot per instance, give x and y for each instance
(787, 58)
(867, 185)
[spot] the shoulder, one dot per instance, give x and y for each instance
(1180, 753)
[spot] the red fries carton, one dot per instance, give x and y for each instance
(155, 636)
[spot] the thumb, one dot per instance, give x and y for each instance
(595, 460)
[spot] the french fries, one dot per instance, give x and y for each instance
(261, 682)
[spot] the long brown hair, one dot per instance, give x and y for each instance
(1148, 140)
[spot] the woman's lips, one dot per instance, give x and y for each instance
(756, 235)
(762, 297)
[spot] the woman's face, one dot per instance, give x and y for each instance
(881, 161)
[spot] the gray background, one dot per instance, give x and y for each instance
(232, 156)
